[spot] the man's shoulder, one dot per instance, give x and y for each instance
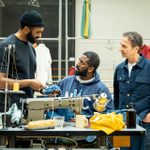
(145, 64)
(102, 85)
(66, 81)
(8, 40)
(120, 65)
(147, 61)
(68, 78)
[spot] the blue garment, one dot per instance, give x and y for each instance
(134, 89)
(50, 89)
(72, 86)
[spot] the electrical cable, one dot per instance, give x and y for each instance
(46, 141)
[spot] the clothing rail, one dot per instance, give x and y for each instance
(77, 38)
(97, 38)
(59, 39)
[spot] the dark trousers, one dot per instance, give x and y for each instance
(137, 143)
(146, 126)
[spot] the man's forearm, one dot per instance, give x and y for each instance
(10, 82)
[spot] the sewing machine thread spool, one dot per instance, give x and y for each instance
(131, 117)
(16, 86)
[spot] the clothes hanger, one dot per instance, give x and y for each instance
(2, 3)
(109, 45)
(34, 3)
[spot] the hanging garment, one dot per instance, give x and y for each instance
(86, 19)
(71, 71)
(145, 51)
(44, 61)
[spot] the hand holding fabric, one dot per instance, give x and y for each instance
(53, 90)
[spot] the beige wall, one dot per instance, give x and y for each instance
(110, 18)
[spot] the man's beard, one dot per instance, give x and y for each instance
(30, 38)
(81, 73)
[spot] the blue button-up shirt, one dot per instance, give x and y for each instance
(134, 89)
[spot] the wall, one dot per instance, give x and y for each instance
(0, 22)
(110, 18)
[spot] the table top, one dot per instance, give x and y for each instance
(68, 130)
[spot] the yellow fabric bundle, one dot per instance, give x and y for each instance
(41, 124)
(107, 122)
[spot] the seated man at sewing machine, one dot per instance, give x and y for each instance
(86, 81)
(76, 93)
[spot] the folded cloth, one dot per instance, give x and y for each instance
(107, 122)
(41, 124)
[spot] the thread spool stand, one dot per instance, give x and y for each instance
(6, 91)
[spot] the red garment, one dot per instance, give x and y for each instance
(71, 71)
(145, 51)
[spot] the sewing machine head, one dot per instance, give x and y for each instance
(36, 106)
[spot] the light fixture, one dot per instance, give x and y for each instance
(34, 3)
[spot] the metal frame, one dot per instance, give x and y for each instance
(67, 38)
(59, 39)
(12, 133)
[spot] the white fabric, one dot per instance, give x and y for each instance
(44, 61)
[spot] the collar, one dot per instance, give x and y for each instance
(139, 64)
(84, 81)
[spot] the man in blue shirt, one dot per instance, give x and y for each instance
(132, 82)
(86, 81)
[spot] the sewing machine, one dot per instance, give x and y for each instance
(36, 106)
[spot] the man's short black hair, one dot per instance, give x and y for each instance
(94, 60)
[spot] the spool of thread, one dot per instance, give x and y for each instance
(16, 86)
(131, 118)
